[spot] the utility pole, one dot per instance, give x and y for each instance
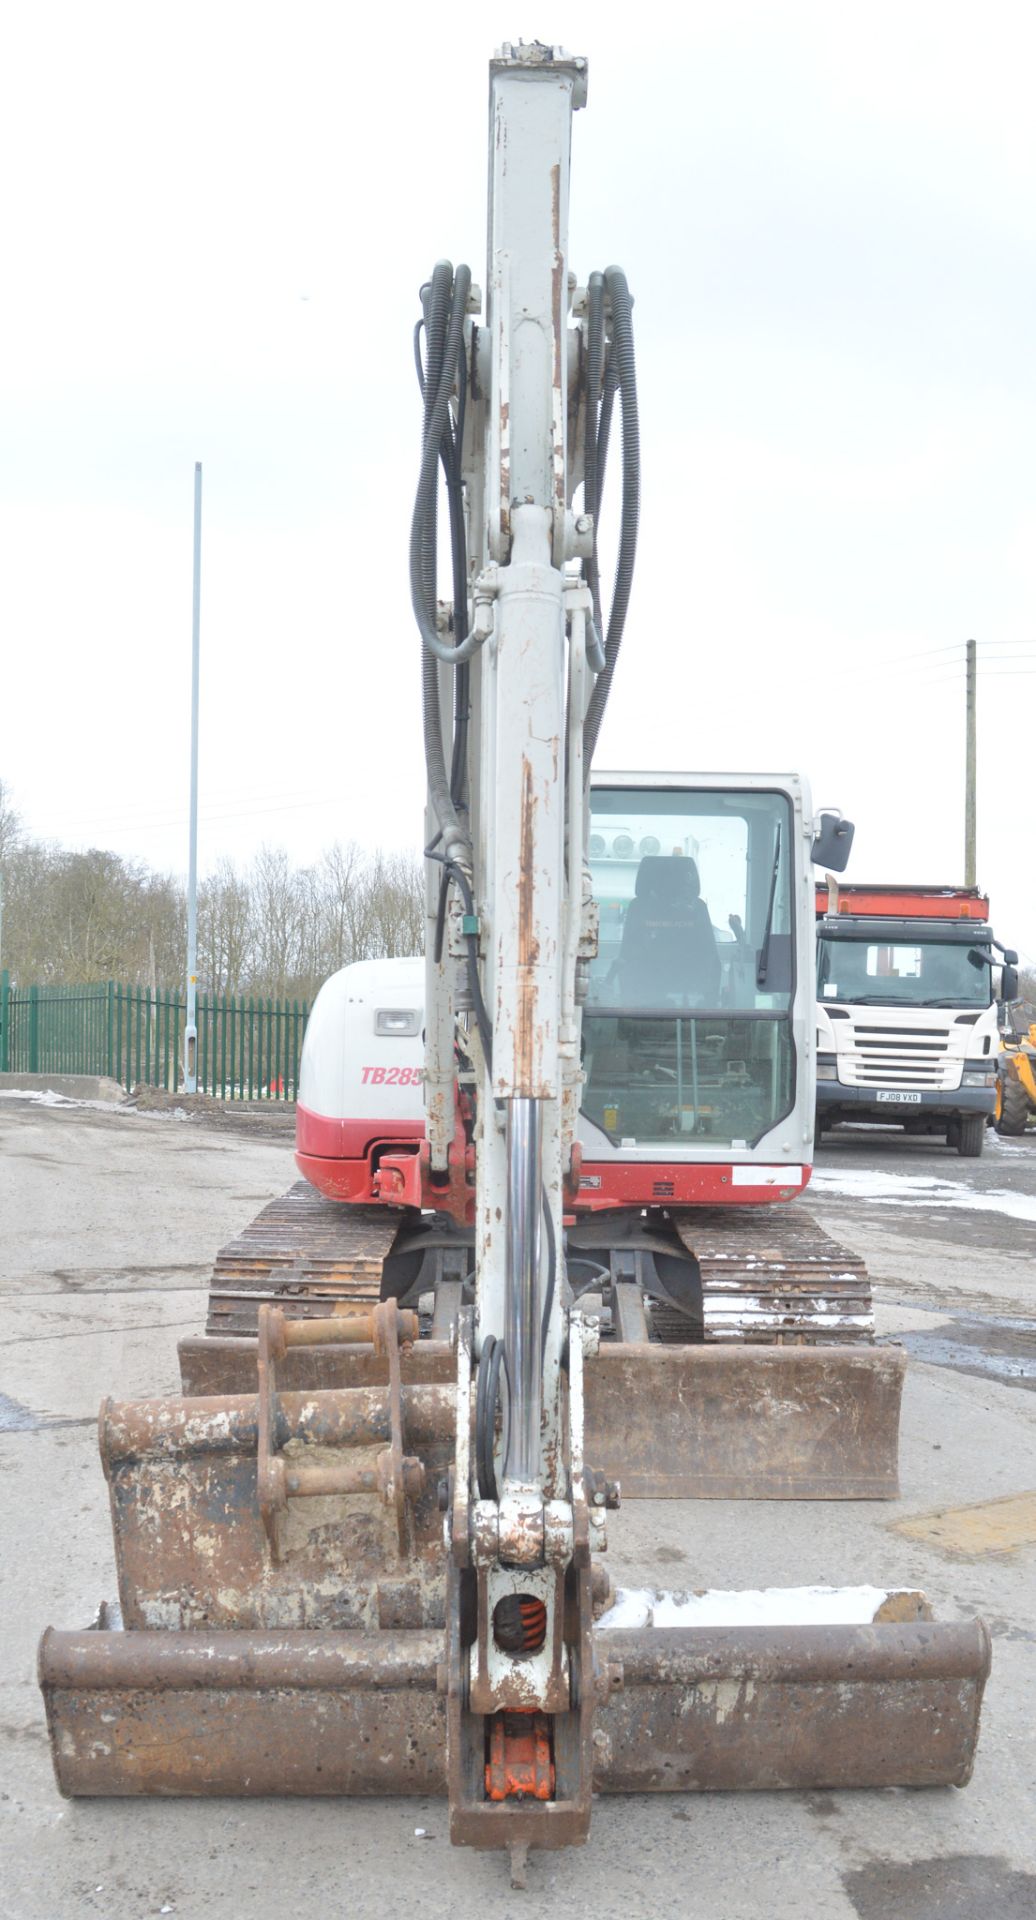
(970, 767)
(190, 1036)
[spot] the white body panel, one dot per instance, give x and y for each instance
(349, 1070)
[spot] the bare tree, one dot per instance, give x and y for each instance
(10, 823)
(343, 907)
(224, 929)
(281, 912)
(275, 930)
(396, 885)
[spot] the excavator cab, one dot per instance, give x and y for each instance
(697, 1004)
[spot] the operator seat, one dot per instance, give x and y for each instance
(668, 945)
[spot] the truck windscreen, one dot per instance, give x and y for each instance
(905, 973)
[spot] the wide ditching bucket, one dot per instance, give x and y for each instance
(348, 1712)
(282, 1603)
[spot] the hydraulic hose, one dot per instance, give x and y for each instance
(451, 458)
(452, 871)
(445, 303)
(552, 1268)
(474, 983)
(435, 300)
(437, 416)
(487, 1399)
(591, 493)
(625, 377)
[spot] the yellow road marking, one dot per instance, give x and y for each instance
(990, 1526)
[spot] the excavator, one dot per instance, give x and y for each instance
(541, 1256)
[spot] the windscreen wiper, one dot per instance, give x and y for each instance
(764, 951)
(874, 1000)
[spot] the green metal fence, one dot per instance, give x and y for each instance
(249, 1047)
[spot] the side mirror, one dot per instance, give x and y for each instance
(1009, 983)
(832, 842)
(1010, 956)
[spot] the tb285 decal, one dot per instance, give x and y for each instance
(391, 1076)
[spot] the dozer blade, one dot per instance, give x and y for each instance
(746, 1423)
(686, 1709)
(738, 1422)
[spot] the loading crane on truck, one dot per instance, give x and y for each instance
(363, 1556)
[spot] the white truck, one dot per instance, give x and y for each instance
(907, 1013)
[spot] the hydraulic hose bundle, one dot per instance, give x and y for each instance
(603, 380)
(445, 299)
(442, 372)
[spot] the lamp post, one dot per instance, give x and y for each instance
(190, 1034)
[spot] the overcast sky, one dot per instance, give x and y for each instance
(215, 222)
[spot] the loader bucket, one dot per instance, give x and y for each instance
(353, 1712)
(671, 1422)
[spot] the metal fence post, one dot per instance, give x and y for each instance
(5, 1014)
(34, 1029)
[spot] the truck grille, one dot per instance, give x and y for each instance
(890, 1057)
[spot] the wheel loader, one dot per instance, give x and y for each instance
(362, 1554)
(1016, 1081)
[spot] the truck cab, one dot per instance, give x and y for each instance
(906, 1010)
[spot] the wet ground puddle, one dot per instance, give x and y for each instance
(992, 1348)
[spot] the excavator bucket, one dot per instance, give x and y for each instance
(773, 1392)
(320, 1711)
(674, 1422)
(282, 1603)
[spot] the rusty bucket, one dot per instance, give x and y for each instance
(354, 1712)
(282, 1614)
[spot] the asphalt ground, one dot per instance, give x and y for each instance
(108, 1223)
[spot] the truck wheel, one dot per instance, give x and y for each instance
(972, 1137)
(1014, 1105)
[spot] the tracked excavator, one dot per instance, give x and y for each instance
(542, 1245)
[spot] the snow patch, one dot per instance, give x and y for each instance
(47, 1099)
(635, 1607)
(921, 1190)
(39, 1098)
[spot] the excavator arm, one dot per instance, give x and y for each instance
(513, 401)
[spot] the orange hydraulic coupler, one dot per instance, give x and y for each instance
(520, 1764)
